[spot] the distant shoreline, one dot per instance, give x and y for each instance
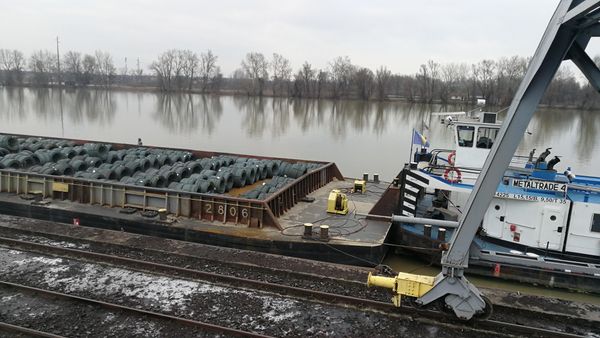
(150, 89)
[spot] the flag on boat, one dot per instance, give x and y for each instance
(419, 139)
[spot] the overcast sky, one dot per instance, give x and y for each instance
(400, 34)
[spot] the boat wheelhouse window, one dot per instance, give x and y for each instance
(466, 135)
(486, 137)
(596, 223)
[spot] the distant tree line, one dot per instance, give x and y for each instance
(179, 70)
(42, 68)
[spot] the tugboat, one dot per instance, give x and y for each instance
(542, 226)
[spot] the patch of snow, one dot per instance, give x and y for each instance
(279, 309)
(109, 317)
(7, 298)
(51, 242)
(145, 329)
(167, 293)
(38, 259)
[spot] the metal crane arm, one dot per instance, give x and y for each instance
(563, 38)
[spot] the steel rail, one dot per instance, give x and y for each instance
(27, 330)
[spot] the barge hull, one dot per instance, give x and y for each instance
(107, 218)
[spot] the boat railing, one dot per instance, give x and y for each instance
(437, 156)
(440, 160)
(284, 199)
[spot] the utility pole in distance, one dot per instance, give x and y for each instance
(58, 62)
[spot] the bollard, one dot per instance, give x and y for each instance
(308, 227)
(366, 177)
(162, 214)
(324, 232)
(427, 230)
(376, 178)
(441, 234)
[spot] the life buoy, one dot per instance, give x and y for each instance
(451, 158)
(452, 175)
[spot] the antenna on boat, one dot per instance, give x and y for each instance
(503, 109)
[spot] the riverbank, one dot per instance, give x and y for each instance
(462, 104)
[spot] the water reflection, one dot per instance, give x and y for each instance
(308, 113)
(186, 113)
(281, 116)
(254, 119)
(311, 128)
(12, 103)
(588, 128)
(96, 106)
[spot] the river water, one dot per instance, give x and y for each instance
(359, 136)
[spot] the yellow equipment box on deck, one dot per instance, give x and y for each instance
(337, 203)
(360, 186)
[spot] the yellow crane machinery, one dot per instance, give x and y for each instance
(405, 284)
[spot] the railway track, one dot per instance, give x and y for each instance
(25, 331)
(208, 327)
(490, 325)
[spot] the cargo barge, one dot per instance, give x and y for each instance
(234, 200)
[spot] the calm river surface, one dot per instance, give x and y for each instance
(359, 136)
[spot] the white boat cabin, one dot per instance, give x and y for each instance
(474, 139)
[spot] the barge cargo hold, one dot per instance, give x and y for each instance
(269, 222)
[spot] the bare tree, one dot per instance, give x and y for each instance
(163, 69)
(178, 65)
(382, 79)
(255, 66)
(73, 68)
(510, 72)
(282, 71)
(364, 80)
(189, 67)
(561, 89)
(89, 68)
(105, 69)
(43, 64)
(484, 77)
(12, 64)
(208, 69)
(216, 80)
(408, 86)
(5, 60)
(303, 80)
(449, 80)
(427, 77)
(322, 78)
(341, 73)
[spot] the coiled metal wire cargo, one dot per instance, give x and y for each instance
(194, 184)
